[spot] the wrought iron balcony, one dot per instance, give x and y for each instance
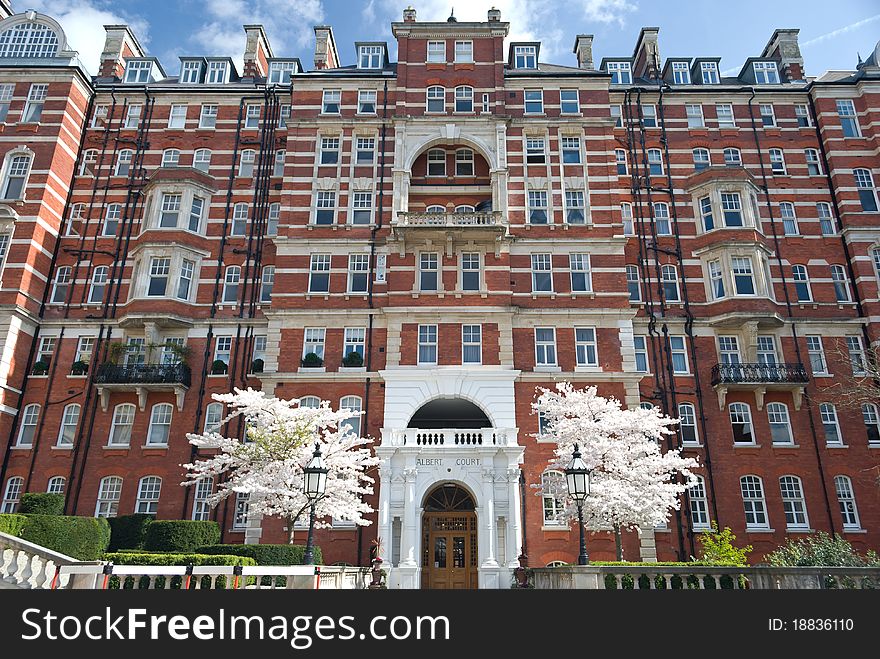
(144, 374)
(142, 378)
(759, 374)
(450, 220)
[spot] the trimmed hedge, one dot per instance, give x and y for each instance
(180, 536)
(265, 554)
(128, 531)
(138, 558)
(41, 503)
(85, 538)
(12, 523)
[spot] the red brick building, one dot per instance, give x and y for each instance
(440, 236)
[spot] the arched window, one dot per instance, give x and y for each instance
(872, 423)
(120, 428)
(89, 162)
(741, 422)
(847, 499)
(149, 489)
(436, 99)
(29, 418)
(687, 418)
(777, 162)
(661, 219)
(841, 283)
(801, 283)
(464, 162)
(312, 402)
(61, 285)
(12, 494)
(553, 498)
(18, 168)
(239, 219)
(669, 274)
(557, 564)
(699, 505)
(655, 162)
(436, 208)
(875, 255)
(272, 219)
(732, 157)
(267, 283)
(109, 491)
(464, 99)
(464, 208)
(74, 219)
(69, 421)
(213, 417)
(99, 283)
(230, 283)
(56, 485)
(112, 217)
(202, 491)
(239, 521)
(865, 185)
(754, 505)
(830, 423)
(789, 219)
(780, 425)
(436, 162)
(702, 159)
(160, 424)
(29, 39)
(246, 163)
(354, 404)
(793, 503)
(170, 158)
(123, 162)
(202, 160)
(826, 219)
(633, 284)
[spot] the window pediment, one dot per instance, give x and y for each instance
(181, 176)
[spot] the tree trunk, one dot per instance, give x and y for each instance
(618, 543)
(291, 525)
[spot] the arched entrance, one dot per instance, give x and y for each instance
(449, 413)
(449, 539)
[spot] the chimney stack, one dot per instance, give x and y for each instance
(119, 45)
(494, 15)
(257, 52)
(783, 47)
(646, 57)
(326, 55)
(583, 48)
(409, 15)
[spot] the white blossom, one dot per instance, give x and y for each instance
(633, 481)
(280, 441)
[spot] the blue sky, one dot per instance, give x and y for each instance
(831, 34)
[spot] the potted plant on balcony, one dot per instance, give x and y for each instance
(116, 351)
(219, 367)
(41, 367)
(353, 360)
(179, 352)
(257, 365)
(79, 367)
(311, 360)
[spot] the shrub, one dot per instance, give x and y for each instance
(718, 548)
(41, 367)
(79, 368)
(180, 535)
(219, 367)
(128, 531)
(265, 554)
(85, 538)
(353, 359)
(311, 360)
(141, 558)
(821, 550)
(12, 523)
(41, 503)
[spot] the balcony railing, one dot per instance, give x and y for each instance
(453, 220)
(141, 374)
(453, 438)
(759, 374)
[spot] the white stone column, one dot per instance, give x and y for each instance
(410, 521)
(514, 530)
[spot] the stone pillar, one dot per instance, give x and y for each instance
(514, 517)
(647, 545)
(409, 566)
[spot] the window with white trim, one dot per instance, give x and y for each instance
(872, 423)
(802, 114)
(112, 218)
(267, 283)
(15, 180)
(617, 115)
(329, 153)
(56, 485)
(856, 351)
(246, 163)
(12, 494)
(242, 509)
(427, 348)
(278, 163)
(535, 152)
(177, 117)
(728, 350)
(709, 72)
(849, 121)
(109, 491)
(436, 162)
(585, 347)
(695, 116)
(435, 99)
(765, 73)
(208, 116)
(525, 57)
(464, 52)
(120, 427)
(464, 162)
(471, 344)
(581, 275)
(429, 271)
(640, 347)
(620, 159)
(678, 351)
(370, 57)
(366, 101)
(534, 101)
(99, 116)
(542, 275)
(545, 346)
(354, 340)
(313, 341)
(789, 219)
(89, 163)
(436, 52)
(100, 276)
(768, 116)
(724, 112)
(633, 284)
(847, 500)
(662, 222)
(204, 488)
(669, 277)
(149, 490)
(649, 116)
(223, 349)
(33, 107)
(537, 206)
(571, 150)
(743, 275)
(280, 72)
(777, 162)
(830, 424)
(826, 220)
(681, 75)
(185, 279)
(319, 273)
(84, 348)
(817, 355)
(841, 283)
(732, 157)
(814, 167)
(801, 283)
(273, 218)
(553, 498)
(202, 160)
(190, 72)
(217, 72)
(621, 73)
(741, 423)
(626, 214)
(358, 272)
(699, 505)
(569, 101)
(132, 117)
(780, 423)
(354, 404)
(26, 432)
(231, 282)
(754, 505)
(793, 502)
(655, 162)
(464, 99)
(61, 285)
(160, 424)
(365, 151)
(362, 208)
(687, 424)
(865, 186)
(331, 101)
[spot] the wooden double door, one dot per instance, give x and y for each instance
(449, 550)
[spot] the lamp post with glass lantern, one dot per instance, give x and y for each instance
(314, 485)
(577, 478)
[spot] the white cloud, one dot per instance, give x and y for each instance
(288, 25)
(839, 31)
(83, 22)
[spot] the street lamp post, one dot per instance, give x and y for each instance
(577, 478)
(314, 484)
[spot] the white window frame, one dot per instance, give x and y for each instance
(699, 505)
(794, 504)
(846, 499)
(331, 101)
(109, 493)
(765, 73)
(579, 264)
(149, 491)
(122, 422)
(830, 421)
(780, 424)
(754, 502)
(471, 342)
(586, 347)
(725, 115)
(741, 414)
(436, 52)
(426, 354)
(35, 104)
(319, 266)
(687, 416)
(177, 116)
(545, 348)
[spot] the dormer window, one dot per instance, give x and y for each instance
(680, 73)
(765, 73)
(138, 72)
(190, 72)
(280, 72)
(525, 57)
(370, 57)
(464, 52)
(217, 72)
(621, 73)
(709, 71)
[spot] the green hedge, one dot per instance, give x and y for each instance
(41, 503)
(85, 538)
(180, 536)
(12, 523)
(265, 554)
(128, 531)
(140, 558)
